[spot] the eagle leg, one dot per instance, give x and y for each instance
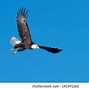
(20, 49)
(18, 45)
(11, 49)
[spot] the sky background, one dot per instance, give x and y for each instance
(56, 23)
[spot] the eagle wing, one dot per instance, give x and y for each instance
(22, 25)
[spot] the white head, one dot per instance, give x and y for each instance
(34, 46)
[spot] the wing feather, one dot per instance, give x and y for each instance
(49, 49)
(22, 25)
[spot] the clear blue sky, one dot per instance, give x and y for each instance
(56, 23)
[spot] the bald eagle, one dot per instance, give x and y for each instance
(24, 33)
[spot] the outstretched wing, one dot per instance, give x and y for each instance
(22, 25)
(49, 49)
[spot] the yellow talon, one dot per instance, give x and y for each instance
(15, 52)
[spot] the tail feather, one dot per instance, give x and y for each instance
(49, 49)
(14, 41)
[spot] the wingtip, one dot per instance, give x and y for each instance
(56, 50)
(59, 50)
(22, 11)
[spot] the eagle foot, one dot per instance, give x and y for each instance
(15, 52)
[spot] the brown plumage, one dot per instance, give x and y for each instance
(23, 28)
(24, 33)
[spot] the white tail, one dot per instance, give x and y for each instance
(14, 41)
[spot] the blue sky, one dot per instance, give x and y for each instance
(56, 23)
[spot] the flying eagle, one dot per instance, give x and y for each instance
(24, 33)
